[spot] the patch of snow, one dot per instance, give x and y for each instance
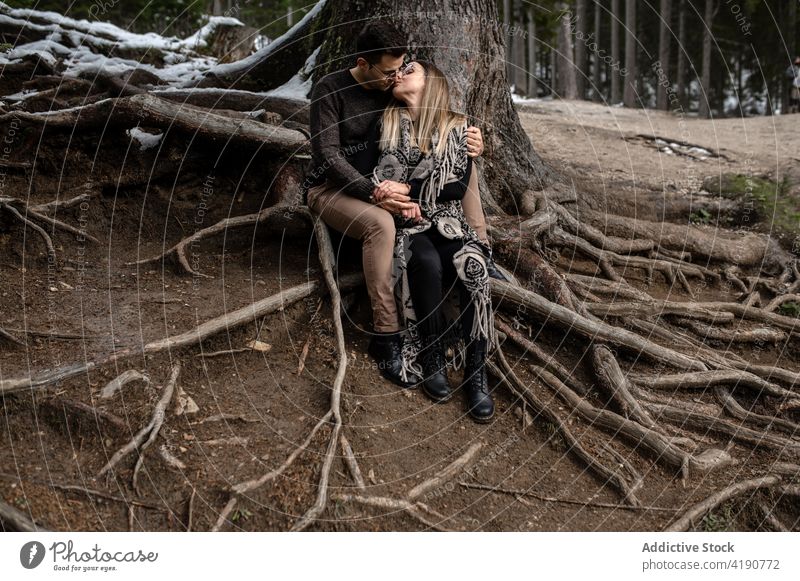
(146, 140)
(200, 38)
(522, 100)
(241, 66)
(22, 95)
(299, 85)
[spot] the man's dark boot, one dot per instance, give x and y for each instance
(476, 383)
(387, 350)
(434, 368)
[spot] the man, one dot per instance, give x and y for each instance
(345, 106)
(793, 73)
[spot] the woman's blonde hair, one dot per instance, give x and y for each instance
(435, 113)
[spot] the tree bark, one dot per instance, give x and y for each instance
(465, 42)
(705, 82)
(664, 39)
(566, 81)
(631, 72)
(681, 71)
(518, 48)
(507, 43)
(533, 86)
(616, 90)
(581, 55)
(597, 94)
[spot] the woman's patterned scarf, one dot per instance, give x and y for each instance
(407, 162)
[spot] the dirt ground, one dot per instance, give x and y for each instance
(400, 438)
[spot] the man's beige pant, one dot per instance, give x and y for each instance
(374, 227)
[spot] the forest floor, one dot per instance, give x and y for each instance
(400, 438)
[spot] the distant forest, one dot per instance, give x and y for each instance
(710, 57)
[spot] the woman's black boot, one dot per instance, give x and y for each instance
(434, 370)
(476, 383)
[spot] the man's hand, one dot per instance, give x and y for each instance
(474, 142)
(389, 189)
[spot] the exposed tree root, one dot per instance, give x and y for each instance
(543, 498)
(506, 374)
(145, 437)
(691, 518)
(12, 519)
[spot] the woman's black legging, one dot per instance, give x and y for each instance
(431, 278)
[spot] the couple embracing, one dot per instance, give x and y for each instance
(392, 167)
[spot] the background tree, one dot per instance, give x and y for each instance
(705, 82)
(616, 85)
(581, 53)
(631, 69)
(664, 40)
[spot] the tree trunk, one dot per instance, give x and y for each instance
(506, 40)
(597, 94)
(791, 45)
(581, 55)
(631, 72)
(470, 54)
(681, 72)
(518, 48)
(533, 86)
(566, 81)
(616, 91)
(664, 38)
(705, 83)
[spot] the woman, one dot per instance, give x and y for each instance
(436, 249)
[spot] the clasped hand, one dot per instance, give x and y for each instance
(394, 198)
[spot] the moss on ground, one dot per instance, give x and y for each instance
(772, 206)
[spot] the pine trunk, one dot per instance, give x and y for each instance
(566, 80)
(631, 73)
(664, 38)
(533, 86)
(581, 55)
(597, 80)
(616, 87)
(705, 83)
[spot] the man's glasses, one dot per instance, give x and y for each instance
(403, 70)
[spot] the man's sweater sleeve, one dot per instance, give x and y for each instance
(326, 147)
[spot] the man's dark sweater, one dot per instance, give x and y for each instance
(343, 119)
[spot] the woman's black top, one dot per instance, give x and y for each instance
(366, 158)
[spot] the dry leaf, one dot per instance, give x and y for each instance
(260, 346)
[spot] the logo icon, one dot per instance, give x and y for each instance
(31, 554)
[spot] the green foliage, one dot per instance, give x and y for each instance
(702, 216)
(241, 514)
(790, 309)
(718, 520)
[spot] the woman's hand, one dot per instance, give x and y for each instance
(413, 213)
(474, 142)
(394, 190)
